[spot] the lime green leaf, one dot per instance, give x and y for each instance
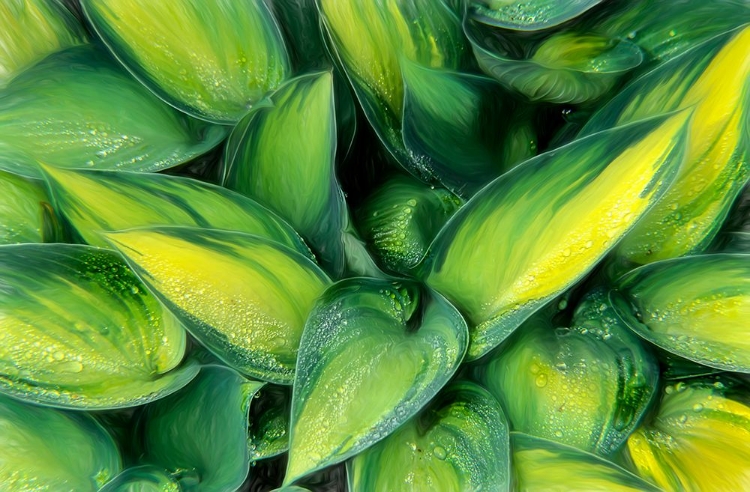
(713, 79)
(243, 297)
(528, 15)
(460, 442)
(370, 39)
(36, 444)
(697, 307)
(21, 209)
(586, 386)
(142, 479)
(566, 67)
(31, 30)
(372, 355)
(97, 201)
(277, 156)
(269, 423)
(540, 464)
(536, 230)
(401, 218)
(699, 438)
(213, 60)
(79, 330)
(201, 432)
(77, 108)
(453, 125)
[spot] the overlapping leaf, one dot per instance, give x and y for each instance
(713, 79)
(213, 60)
(528, 15)
(373, 353)
(21, 209)
(142, 479)
(536, 230)
(460, 442)
(269, 423)
(77, 108)
(79, 330)
(244, 297)
(697, 307)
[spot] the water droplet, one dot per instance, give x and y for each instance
(566, 252)
(440, 452)
(697, 407)
(558, 434)
(71, 366)
(58, 355)
(588, 244)
(541, 380)
(683, 418)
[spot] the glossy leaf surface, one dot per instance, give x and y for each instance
(528, 15)
(214, 60)
(460, 442)
(283, 156)
(243, 297)
(699, 438)
(98, 201)
(400, 219)
(21, 209)
(78, 108)
(142, 479)
(36, 444)
(201, 431)
(713, 80)
(586, 386)
(540, 464)
(373, 353)
(80, 330)
(536, 230)
(697, 307)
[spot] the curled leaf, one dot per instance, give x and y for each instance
(243, 297)
(459, 442)
(528, 15)
(214, 60)
(142, 479)
(79, 330)
(536, 230)
(373, 353)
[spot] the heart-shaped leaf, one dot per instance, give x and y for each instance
(142, 479)
(539, 464)
(528, 15)
(201, 432)
(213, 60)
(586, 386)
(97, 201)
(460, 442)
(31, 30)
(536, 230)
(400, 219)
(275, 156)
(373, 353)
(77, 108)
(697, 307)
(699, 439)
(370, 39)
(46, 449)
(714, 80)
(79, 330)
(243, 297)
(21, 209)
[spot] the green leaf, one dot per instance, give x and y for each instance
(201, 432)
(243, 297)
(269, 423)
(79, 330)
(99, 201)
(31, 30)
(213, 60)
(712, 79)
(460, 442)
(36, 444)
(299, 20)
(142, 479)
(21, 209)
(77, 108)
(453, 125)
(699, 438)
(277, 157)
(373, 353)
(586, 386)
(536, 230)
(540, 464)
(696, 307)
(370, 40)
(400, 219)
(566, 67)
(528, 15)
